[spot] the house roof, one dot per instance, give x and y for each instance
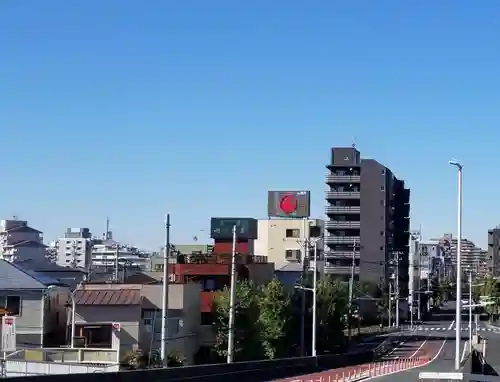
(13, 277)
(108, 297)
(28, 243)
(23, 228)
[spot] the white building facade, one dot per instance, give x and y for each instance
(74, 250)
(282, 241)
(21, 243)
(109, 254)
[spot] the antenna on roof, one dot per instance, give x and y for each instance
(353, 142)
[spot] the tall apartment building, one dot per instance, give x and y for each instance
(74, 250)
(20, 243)
(367, 210)
(493, 259)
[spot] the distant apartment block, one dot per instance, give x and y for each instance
(367, 220)
(108, 254)
(74, 250)
(473, 258)
(21, 243)
(493, 259)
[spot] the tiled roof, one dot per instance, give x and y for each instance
(23, 228)
(108, 297)
(28, 243)
(13, 277)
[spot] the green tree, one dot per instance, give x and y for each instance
(490, 289)
(275, 320)
(332, 309)
(246, 329)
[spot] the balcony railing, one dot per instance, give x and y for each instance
(342, 195)
(333, 224)
(332, 178)
(342, 209)
(340, 269)
(341, 254)
(341, 239)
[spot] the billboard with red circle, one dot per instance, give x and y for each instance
(289, 204)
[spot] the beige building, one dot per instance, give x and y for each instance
(137, 308)
(281, 240)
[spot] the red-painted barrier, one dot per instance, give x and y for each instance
(358, 373)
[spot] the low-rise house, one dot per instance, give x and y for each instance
(29, 298)
(136, 309)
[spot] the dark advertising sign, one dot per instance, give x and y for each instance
(289, 204)
(222, 228)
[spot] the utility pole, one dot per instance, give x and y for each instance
(117, 254)
(232, 301)
(314, 313)
(390, 305)
(351, 291)
(164, 307)
(396, 293)
(304, 260)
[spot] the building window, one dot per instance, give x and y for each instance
(292, 254)
(12, 306)
(158, 268)
(207, 318)
(292, 233)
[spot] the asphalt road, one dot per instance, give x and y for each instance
(437, 340)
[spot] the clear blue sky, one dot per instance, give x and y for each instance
(134, 108)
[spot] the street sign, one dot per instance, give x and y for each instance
(9, 342)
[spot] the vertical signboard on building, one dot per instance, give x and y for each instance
(9, 342)
(289, 204)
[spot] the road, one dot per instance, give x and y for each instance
(438, 335)
(432, 340)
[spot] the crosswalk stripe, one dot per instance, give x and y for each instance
(463, 329)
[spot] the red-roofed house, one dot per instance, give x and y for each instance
(137, 310)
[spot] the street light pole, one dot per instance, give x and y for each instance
(459, 270)
(470, 312)
(232, 301)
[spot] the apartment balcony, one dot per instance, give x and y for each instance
(337, 224)
(331, 195)
(340, 269)
(342, 209)
(331, 178)
(341, 239)
(332, 254)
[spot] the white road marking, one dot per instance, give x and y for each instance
(420, 347)
(451, 325)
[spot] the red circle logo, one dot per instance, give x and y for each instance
(288, 204)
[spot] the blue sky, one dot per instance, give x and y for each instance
(133, 108)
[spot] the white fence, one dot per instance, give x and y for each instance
(26, 368)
